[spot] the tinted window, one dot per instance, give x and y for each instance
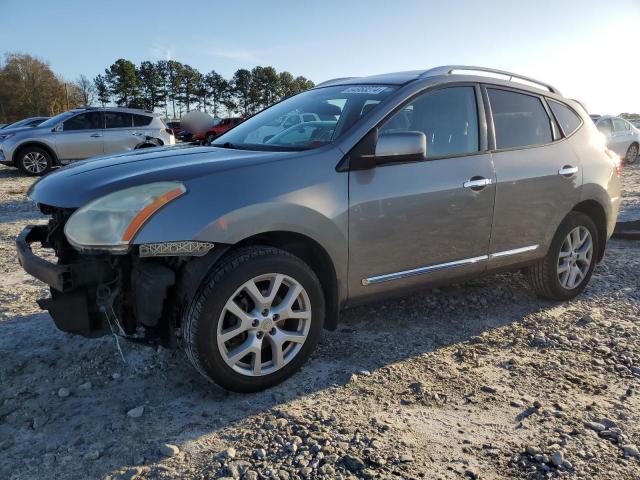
(117, 120)
(291, 121)
(448, 117)
(619, 125)
(84, 121)
(568, 119)
(519, 119)
(141, 120)
(605, 126)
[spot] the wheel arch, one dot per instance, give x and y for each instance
(44, 146)
(597, 213)
(314, 255)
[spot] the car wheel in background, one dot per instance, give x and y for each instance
(255, 320)
(569, 263)
(632, 154)
(34, 161)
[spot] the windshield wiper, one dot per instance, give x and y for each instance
(226, 145)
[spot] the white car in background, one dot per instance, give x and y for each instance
(622, 137)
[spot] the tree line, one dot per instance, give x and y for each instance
(176, 88)
(28, 87)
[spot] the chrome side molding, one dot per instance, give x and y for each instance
(444, 266)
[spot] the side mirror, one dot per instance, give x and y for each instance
(57, 128)
(399, 147)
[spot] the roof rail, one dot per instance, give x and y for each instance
(449, 70)
(328, 82)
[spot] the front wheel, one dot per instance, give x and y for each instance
(566, 269)
(34, 161)
(255, 320)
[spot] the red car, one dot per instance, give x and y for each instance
(207, 136)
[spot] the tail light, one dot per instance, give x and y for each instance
(616, 160)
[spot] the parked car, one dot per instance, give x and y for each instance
(26, 122)
(635, 123)
(207, 136)
(247, 249)
(622, 137)
(79, 134)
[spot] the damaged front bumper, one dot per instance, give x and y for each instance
(92, 295)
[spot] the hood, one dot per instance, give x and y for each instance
(77, 184)
(4, 131)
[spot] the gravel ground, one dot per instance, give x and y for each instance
(480, 380)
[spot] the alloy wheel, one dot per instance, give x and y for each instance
(264, 324)
(34, 162)
(574, 260)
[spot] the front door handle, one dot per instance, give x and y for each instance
(137, 134)
(477, 183)
(96, 135)
(568, 171)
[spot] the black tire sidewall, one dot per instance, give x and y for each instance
(27, 150)
(213, 300)
(573, 220)
(635, 159)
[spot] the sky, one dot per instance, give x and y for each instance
(588, 49)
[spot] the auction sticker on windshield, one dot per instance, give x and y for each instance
(365, 89)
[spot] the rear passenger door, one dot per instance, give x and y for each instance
(621, 138)
(119, 133)
(537, 172)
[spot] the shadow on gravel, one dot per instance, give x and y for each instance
(180, 406)
(19, 210)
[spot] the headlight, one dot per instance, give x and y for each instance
(111, 222)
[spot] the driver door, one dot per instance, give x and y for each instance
(422, 222)
(81, 137)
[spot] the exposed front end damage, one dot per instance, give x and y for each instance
(93, 294)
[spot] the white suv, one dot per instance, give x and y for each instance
(79, 134)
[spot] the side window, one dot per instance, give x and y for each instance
(84, 121)
(605, 126)
(448, 117)
(519, 119)
(619, 125)
(141, 120)
(117, 120)
(568, 119)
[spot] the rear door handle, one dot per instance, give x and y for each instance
(477, 183)
(568, 171)
(96, 135)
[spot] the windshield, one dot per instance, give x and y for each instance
(308, 120)
(53, 121)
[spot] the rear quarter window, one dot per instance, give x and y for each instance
(519, 119)
(568, 120)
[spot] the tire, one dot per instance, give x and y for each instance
(34, 161)
(632, 154)
(546, 277)
(208, 320)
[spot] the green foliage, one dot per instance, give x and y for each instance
(29, 87)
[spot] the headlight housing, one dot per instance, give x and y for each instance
(111, 222)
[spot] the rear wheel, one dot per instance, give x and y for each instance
(569, 264)
(34, 161)
(255, 320)
(632, 154)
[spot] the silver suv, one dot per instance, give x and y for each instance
(79, 134)
(243, 251)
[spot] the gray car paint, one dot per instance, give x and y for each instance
(373, 222)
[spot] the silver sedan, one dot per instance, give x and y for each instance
(622, 137)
